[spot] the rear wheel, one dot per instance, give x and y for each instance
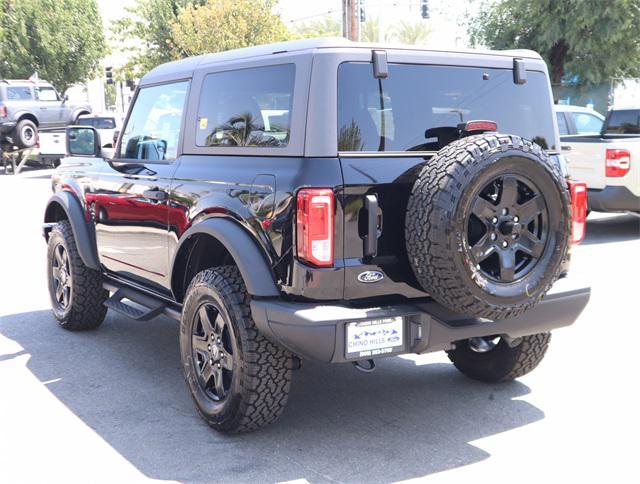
(492, 359)
(238, 379)
(26, 134)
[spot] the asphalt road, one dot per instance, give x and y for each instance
(111, 405)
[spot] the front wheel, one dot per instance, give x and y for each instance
(238, 379)
(77, 295)
(495, 360)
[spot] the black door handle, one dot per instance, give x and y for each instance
(159, 195)
(371, 239)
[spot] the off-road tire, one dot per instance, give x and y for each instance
(21, 140)
(86, 309)
(502, 363)
(435, 224)
(261, 377)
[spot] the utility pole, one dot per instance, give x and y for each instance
(350, 25)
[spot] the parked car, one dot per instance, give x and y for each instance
(26, 106)
(605, 153)
(106, 125)
(327, 200)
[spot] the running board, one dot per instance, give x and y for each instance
(151, 306)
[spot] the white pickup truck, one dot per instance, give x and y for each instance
(608, 161)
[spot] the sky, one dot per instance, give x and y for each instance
(445, 21)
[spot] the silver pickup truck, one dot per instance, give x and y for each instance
(27, 106)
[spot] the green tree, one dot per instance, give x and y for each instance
(320, 28)
(62, 40)
(589, 41)
(221, 25)
(145, 32)
(411, 33)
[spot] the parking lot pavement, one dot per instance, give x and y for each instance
(111, 405)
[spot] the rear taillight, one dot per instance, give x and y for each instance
(314, 226)
(578, 211)
(617, 162)
(3, 112)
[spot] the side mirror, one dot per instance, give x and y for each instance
(65, 98)
(83, 141)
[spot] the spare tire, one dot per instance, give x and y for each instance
(487, 226)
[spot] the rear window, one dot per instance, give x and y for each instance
(98, 123)
(624, 121)
(246, 107)
(393, 114)
(18, 93)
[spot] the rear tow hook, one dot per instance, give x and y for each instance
(366, 369)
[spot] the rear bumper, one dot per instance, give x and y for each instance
(613, 199)
(318, 331)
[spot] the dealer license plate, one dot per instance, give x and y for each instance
(371, 338)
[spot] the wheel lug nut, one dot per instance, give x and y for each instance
(504, 243)
(218, 340)
(514, 236)
(493, 236)
(505, 211)
(211, 361)
(494, 220)
(516, 219)
(219, 365)
(209, 347)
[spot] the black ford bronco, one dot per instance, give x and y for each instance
(324, 200)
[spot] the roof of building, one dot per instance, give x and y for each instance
(189, 64)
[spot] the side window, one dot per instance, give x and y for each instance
(153, 128)
(46, 93)
(19, 93)
(246, 107)
(562, 124)
(587, 123)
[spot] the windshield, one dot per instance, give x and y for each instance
(394, 114)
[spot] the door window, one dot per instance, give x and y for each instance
(46, 93)
(152, 131)
(562, 124)
(246, 107)
(18, 93)
(587, 123)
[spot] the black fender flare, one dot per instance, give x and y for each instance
(251, 261)
(85, 240)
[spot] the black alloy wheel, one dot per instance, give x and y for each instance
(238, 379)
(62, 278)
(212, 342)
(507, 228)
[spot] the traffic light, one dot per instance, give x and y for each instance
(108, 73)
(363, 16)
(424, 9)
(130, 83)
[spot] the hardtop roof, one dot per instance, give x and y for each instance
(184, 68)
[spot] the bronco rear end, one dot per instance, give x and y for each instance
(455, 209)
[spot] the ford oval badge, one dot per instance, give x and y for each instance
(370, 276)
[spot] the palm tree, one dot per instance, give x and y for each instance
(370, 32)
(411, 33)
